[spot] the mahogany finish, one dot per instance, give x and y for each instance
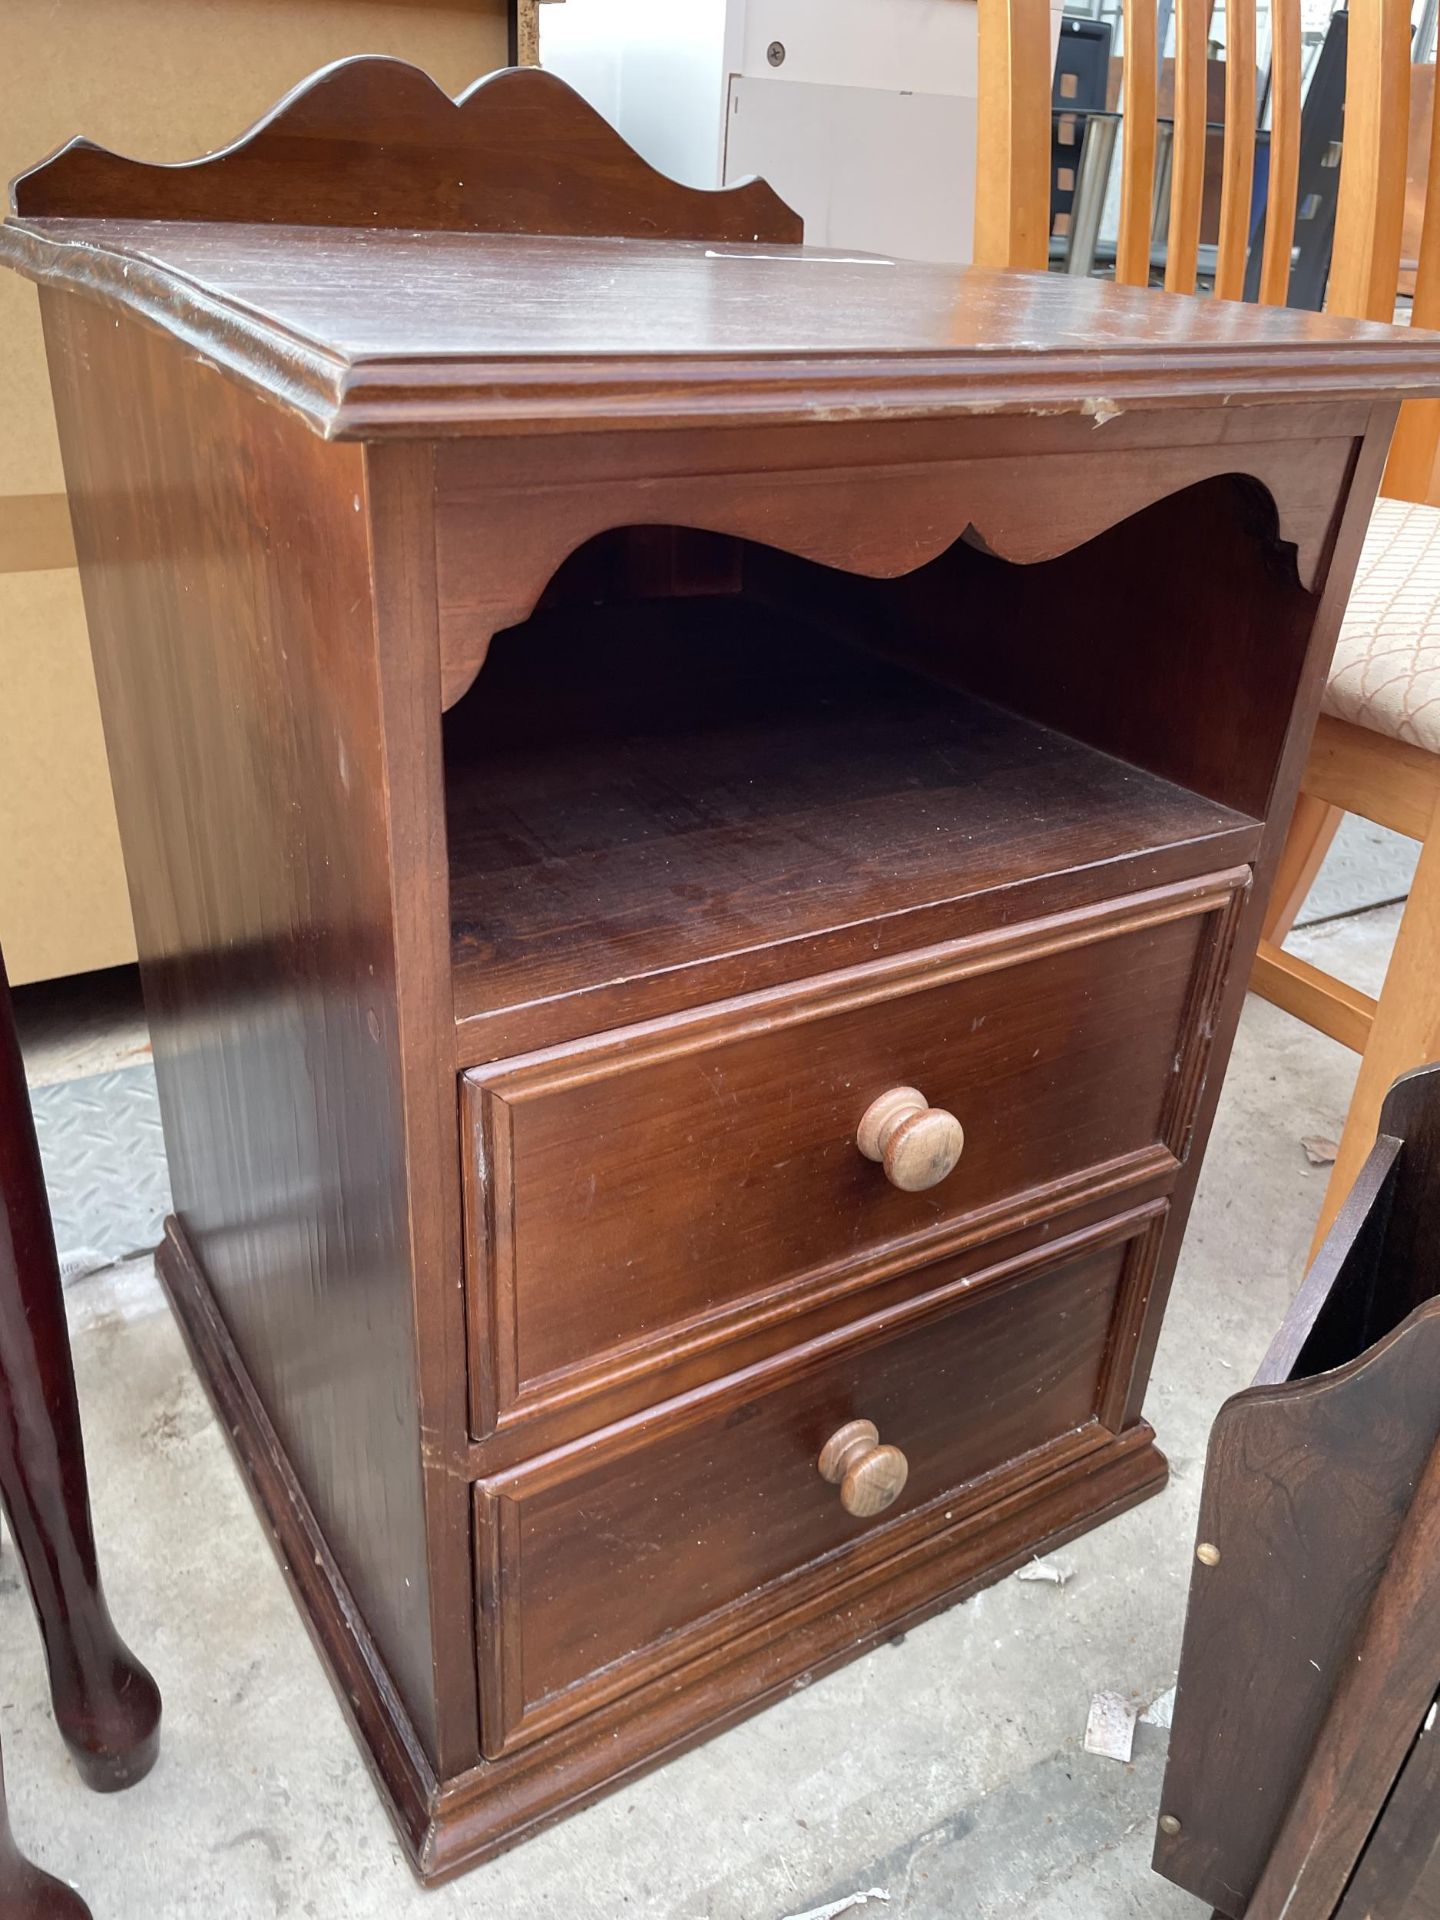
(731, 1132)
(677, 1520)
(606, 857)
(1311, 1657)
(290, 803)
(27, 1892)
(1398, 1875)
(106, 1705)
(367, 142)
(589, 715)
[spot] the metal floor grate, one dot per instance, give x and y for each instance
(104, 1159)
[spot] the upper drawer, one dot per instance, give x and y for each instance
(664, 1189)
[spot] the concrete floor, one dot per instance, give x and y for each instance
(945, 1773)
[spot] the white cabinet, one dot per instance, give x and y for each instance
(860, 113)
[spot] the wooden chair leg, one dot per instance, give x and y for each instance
(106, 1705)
(1312, 828)
(1406, 1030)
(27, 1893)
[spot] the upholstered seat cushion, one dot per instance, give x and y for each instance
(1386, 674)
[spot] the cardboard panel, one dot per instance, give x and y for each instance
(63, 903)
(163, 80)
(167, 80)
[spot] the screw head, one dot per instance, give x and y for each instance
(1169, 1824)
(1207, 1555)
(775, 53)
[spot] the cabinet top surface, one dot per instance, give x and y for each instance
(389, 262)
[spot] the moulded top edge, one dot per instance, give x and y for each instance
(377, 334)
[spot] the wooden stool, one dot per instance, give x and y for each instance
(106, 1705)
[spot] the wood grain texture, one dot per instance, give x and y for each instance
(1313, 827)
(1415, 279)
(1387, 781)
(448, 1826)
(1242, 618)
(1284, 679)
(106, 1705)
(374, 143)
(398, 501)
(725, 1493)
(1318, 998)
(235, 656)
(927, 485)
(359, 1671)
(733, 1130)
(1332, 1464)
(1383, 1694)
(1283, 184)
(614, 851)
(1187, 153)
(1306, 1670)
(369, 333)
(508, 518)
(1238, 165)
(1026, 1510)
(29, 1893)
(1137, 168)
(473, 1811)
(1370, 212)
(1012, 192)
(1406, 1028)
(1331, 1314)
(779, 1321)
(1398, 1876)
(1410, 472)
(1411, 1112)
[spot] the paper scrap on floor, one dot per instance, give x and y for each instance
(847, 1905)
(1161, 1710)
(1053, 1573)
(1110, 1730)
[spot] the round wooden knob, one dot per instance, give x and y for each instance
(870, 1477)
(917, 1144)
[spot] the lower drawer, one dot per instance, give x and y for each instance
(611, 1561)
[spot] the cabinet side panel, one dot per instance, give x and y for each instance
(224, 556)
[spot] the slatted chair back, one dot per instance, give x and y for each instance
(1012, 213)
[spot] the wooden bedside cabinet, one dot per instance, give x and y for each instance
(696, 813)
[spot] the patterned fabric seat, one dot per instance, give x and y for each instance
(1386, 674)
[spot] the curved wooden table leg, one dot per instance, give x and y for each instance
(106, 1705)
(27, 1893)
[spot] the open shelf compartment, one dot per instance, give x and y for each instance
(658, 801)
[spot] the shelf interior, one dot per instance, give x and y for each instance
(650, 786)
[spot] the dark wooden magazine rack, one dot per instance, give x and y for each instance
(1304, 1775)
(635, 742)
